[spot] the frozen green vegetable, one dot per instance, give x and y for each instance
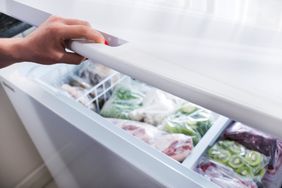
(245, 162)
(127, 96)
(189, 120)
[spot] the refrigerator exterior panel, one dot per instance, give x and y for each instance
(81, 148)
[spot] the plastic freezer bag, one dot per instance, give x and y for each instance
(93, 73)
(157, 105)
(247, 163)
(177, 146)
(76, 92)
(273, 177)
(222, 175)
(127, 96)
(84, 77)
(256, 140)
(189, 120)
(87, 74)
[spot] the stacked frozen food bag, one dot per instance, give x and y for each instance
(127, 96)
(176, 146)
(263, 143)
(248, 156)
(165, 122)
(137, 101)
(190, 120)
(169, 123)
(83, 78)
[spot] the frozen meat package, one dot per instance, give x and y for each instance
(222, 175)
(176, 146)
(256, 140)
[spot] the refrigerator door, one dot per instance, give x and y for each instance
(81, 148)
(231, 66)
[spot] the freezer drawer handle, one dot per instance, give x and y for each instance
(7, 86)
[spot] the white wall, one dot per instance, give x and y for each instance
(18, 156)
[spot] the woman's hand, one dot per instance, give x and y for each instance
(47, 44)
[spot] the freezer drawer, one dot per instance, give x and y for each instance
(157, 114)
(81, 148)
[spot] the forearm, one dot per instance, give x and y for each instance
(11, 51)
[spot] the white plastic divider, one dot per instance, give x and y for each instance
(113, 79)
(208, 140)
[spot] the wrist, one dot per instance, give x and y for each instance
(19, 50)
(11, 51)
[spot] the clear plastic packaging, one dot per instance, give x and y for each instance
(223, 175)
(263, 143)
(177, 146)
(156, 106)
(127, 96)
(245, 162)
(189, 120)
(82, 79)
(272, 180)
(143, 131)
(258, 141)
(76, 92)
(93, 73)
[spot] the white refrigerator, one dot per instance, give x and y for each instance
(225, 57)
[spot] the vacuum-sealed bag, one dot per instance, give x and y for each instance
(222, 175)
(127, 96)
(157, 105)
(245, 162)
(189, 120)
(177, 146)
(83, 78)
(256, 140)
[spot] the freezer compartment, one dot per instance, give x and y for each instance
(62, 130)
(94, 96)
(243, 157)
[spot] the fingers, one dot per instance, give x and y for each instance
(74, 28)
(79, 31)
(67, 21)
(75, 22)
(71, 58)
